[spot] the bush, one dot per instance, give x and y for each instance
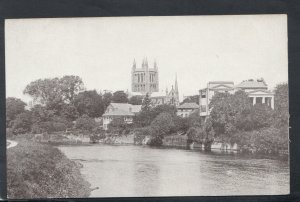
(41, 171)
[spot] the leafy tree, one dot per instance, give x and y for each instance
(162, 124)
(22, 123)
(120, 97)
(85, 123)
(107, 98)
(225, 109)
(136, 100)
(41, 114)
(70, 86)
(146, 104)
(53, 92)
(89, 103)
(69, 112)
(117, 125)
(281, 104)
(44, 91)
(14, 106)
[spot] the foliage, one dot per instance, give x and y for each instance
(42, 171)
(117, 125)
(53, 92)
(14, 106)
(146, 104)
(85, 123)
(70, 86)
(22, 123)
(225, 110)
(136, 100)
(69, 112)
(89, 103)
(107, 97)
(119, 97)
(163, 124)
(281, 102)
(141, 133)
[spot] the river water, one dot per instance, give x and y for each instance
(124, 171)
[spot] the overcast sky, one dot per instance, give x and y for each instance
(101, 50)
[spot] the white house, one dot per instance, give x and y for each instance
(257, 91)
(124, 110)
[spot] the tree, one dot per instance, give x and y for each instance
(53, 92)
(146, 104)
(70, 87)
(120, 97)
(117, 125)
(89, 103)
(225, 109)
(69, 112)
(85, 123)
(22, 123)
(107, 97)
(281, 102)
(136, 100)
(14, 106)
(44, 91)
(163, 124)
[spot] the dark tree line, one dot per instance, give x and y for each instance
(59, 102)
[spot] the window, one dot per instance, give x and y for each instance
(203, 94)
(259, 100)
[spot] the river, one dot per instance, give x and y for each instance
(124, 171)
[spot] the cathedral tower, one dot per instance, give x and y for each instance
(144, 79)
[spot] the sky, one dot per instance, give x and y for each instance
(101, 50)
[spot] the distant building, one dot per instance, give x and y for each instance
(166, 97)
(144, 79)
(186, 109)
(123, 110)
(207, 93)
(257, 91)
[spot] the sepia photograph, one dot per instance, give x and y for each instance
(149, 106)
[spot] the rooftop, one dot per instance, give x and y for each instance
(253, 84)
(187, 105)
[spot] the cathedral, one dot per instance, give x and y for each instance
(145, 80)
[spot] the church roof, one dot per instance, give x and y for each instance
(187, 105)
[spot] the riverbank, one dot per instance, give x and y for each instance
(37, 170)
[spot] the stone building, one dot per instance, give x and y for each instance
(257, 91)
(186, 109)
(144, 79)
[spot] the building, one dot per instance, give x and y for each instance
(186, 109)
(207, 93)
(166, 97)
(123, 110)
(257, 91)
(144, 79)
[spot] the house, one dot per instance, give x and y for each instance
(186, 109)
(123, 110)
(207, 93)
(257, 91)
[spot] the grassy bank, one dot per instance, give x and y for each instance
(41, 171)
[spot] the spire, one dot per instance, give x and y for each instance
(167, 92)
(155, 65)
(134, 65)
(176, 84)
(143, 64)
(146, 62)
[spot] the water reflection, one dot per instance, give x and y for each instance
(143, 171)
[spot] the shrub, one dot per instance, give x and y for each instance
(41, 171)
